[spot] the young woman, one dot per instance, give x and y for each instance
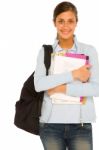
(68, 125)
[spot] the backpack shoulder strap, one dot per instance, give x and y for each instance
(47, 56)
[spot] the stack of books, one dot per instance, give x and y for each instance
(65, 62)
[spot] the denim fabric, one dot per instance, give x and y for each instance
(66, 136)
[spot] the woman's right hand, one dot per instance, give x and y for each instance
(82, 73)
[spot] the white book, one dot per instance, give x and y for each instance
(64, 64)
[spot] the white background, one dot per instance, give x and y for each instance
(24, 26)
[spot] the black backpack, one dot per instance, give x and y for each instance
(28, 107)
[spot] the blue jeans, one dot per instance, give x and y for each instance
(70, 136)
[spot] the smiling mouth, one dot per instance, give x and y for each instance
(66, 32)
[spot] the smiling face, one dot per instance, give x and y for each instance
(65, 24)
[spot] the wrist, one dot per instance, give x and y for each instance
(63, 89)
(74, 74)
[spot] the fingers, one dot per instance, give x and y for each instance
(88, 66)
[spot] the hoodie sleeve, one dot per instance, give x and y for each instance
(43, 82)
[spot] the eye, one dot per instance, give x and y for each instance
(71, 21)
(61, 21)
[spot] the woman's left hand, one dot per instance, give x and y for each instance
(58, 89)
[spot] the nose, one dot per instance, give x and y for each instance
(66, 24)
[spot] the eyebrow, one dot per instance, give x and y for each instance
(61, 19)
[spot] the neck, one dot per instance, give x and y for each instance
(66, 43)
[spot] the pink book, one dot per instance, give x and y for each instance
(79, 56)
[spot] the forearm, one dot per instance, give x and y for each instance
(48, 82)
(83, 89)
(77, 89)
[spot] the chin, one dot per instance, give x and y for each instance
(66, 37)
